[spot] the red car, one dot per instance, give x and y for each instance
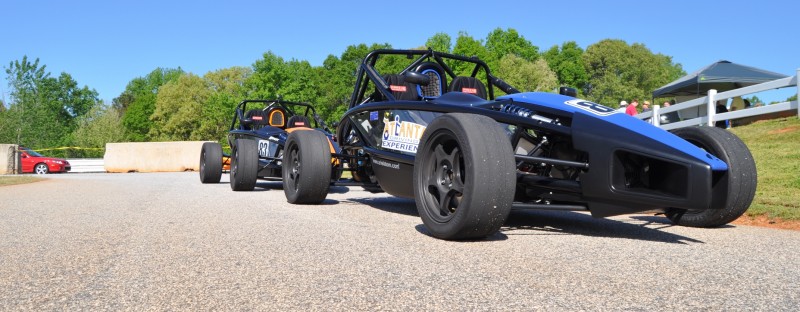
(33, 162)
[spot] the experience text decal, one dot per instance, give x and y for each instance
(401, 135)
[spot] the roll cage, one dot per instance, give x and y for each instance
(367, 73)
(241, 120)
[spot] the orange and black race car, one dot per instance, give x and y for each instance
(259, 135)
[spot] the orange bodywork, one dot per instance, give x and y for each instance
(226, 163)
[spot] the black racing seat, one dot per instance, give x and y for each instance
(298, 121)
(401, 90)
(255, 119)
(469, 85)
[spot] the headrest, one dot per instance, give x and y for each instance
(401, 90)
(298, 121)
(469, 85)
(277, 118)
(256, 117)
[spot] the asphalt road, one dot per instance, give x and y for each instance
(163, 241)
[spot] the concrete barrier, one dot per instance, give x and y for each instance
(152, 156)
(9, 159)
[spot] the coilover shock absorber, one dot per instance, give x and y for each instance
(524, 112)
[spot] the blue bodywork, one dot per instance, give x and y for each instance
(610, 115)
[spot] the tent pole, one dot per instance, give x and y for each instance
(797, 77)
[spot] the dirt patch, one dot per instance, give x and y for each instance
(784, 130)
(764, 221)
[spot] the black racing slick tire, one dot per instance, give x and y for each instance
(244, 165)
(306, 167)
(464, 177)
(741, 179)
(210, 162)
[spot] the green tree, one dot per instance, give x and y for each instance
(227, 90)
(337, 77)
(439, 42)
(138, 101)
(500, 43)
(43, 110)
(567, 63)
(754, 100)
(269, 73)
(618, 71)
(468, 46)
(101, 125)
(179, 104)
(527, 75)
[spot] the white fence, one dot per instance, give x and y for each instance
(710, 100)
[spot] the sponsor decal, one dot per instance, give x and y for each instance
(373, 116)
(401, 135)
(594, 108)
(386, 164)
(469, 90)
(257, 118)
(397, 88)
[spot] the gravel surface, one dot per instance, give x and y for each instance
(164, 241)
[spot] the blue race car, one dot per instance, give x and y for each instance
(467, 157)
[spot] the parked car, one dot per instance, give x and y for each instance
(33, 162)
(468, 158)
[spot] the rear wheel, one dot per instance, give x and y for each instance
(306, 167)
(210, 162)
(464, 177)
(244, 165)
(741, 178)
(41, 169)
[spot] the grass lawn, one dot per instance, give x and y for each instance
(12, 180)
(775, 145)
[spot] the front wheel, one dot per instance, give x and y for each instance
(41, 169)
(464, 177)
(306, 167)
(210, 162)
(740, 180)
(244, 165)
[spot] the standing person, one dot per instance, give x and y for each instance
(622, 106)
(646, 106)
(721, 108)
(631, 110)
(669, 117)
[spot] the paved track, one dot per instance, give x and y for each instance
(163, 241)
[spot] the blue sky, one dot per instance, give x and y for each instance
(104, 44)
